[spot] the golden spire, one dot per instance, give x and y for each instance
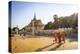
(34, 16)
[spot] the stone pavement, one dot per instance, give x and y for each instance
(20, 44)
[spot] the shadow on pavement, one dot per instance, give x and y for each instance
(40, 49)
(57, 46)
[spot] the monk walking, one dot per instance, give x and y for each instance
(56, 36)
(63, 37)
(59, 36)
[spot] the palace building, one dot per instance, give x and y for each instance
(35, 25)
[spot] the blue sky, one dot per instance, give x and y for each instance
(23, 12)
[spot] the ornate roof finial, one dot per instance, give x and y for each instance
(34, 16)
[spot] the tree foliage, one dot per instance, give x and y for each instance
(63, 22)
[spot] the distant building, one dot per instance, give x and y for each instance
(35, 25)
(15, 30)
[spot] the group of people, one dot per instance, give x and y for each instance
(59, 36)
